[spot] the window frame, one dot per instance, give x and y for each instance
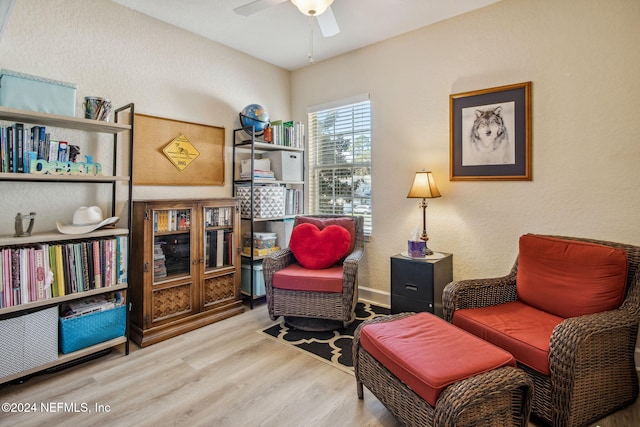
(356, 131)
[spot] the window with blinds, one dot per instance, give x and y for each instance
(340, 160)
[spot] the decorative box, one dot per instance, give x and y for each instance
(282, 229)
(286, 165)
(84, 331)
(258, 279)
(268, 201)
(27, 92)
(28, 341)
(260, 240)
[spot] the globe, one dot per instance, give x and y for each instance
(254, 115)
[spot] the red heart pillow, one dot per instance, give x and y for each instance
(315, 249)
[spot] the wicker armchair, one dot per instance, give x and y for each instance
(591, 357)
(332, 306)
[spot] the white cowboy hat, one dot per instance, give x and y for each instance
(85, 220)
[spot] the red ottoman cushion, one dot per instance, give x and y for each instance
(428, 354)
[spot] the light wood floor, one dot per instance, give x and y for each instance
(224, 374)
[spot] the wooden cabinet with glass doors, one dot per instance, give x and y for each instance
(186, 264)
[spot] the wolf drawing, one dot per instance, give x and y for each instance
(489, 140)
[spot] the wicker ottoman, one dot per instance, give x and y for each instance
(428, 372)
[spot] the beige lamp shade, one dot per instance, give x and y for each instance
(312, 7)
(423, 187)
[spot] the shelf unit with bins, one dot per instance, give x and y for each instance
(118, 177)
(245, 142)
(185, 266)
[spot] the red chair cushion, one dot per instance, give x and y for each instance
(317, 249)
(570, 278)
(348, 223)
(520, 329)
(294, 277)
(428, 354)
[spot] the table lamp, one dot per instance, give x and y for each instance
(424, 187)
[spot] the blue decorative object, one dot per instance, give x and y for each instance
(84, 331)
(255, 115)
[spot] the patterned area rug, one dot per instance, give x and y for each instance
(333, 347)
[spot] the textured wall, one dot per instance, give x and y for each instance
(109, 50)
(583, 60)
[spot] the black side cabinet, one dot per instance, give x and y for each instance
(417, 284)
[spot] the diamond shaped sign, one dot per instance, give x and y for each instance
(180, 152)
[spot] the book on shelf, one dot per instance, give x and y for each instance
(21, 144)
(42, 271)
(171, 220)
(258, 174)
(287, 133)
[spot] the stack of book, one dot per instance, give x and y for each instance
(258, 174)
(92, 304)
(159, 267)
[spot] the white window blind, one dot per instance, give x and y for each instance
(340, 160)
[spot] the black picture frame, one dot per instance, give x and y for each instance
(490, 134)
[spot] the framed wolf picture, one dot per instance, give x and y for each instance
(491, 134)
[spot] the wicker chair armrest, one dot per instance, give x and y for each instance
(474, 392)
(355, 256)
(593, 350)
(379, 319)
(591, 335)
(270, 264)
(276, 261)
(474, 293)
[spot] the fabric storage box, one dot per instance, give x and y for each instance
(28, 341)
(286, 165)
(268, 201)
(258, 279)
(27, 92)
(84, 331)
(282, 229)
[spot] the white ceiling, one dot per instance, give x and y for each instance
(280, 34)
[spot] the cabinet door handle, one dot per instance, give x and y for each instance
(411, 287)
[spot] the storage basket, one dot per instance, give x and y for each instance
(258, 279)
(28, 341)
(268, 201)
(84, 331)
(27, 92)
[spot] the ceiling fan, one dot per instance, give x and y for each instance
(320, 9)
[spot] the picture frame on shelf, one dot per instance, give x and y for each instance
(490, 134)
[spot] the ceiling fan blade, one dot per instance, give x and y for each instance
(256, 6)
(327, 23)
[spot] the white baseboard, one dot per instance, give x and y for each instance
(374, 296)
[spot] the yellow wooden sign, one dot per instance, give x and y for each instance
(180, 152)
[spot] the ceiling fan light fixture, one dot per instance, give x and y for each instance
(312, 7)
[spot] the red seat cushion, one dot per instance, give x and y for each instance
(522, 330)
(294, 277)
(315, 248)
(428, 354)
(570, 278)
